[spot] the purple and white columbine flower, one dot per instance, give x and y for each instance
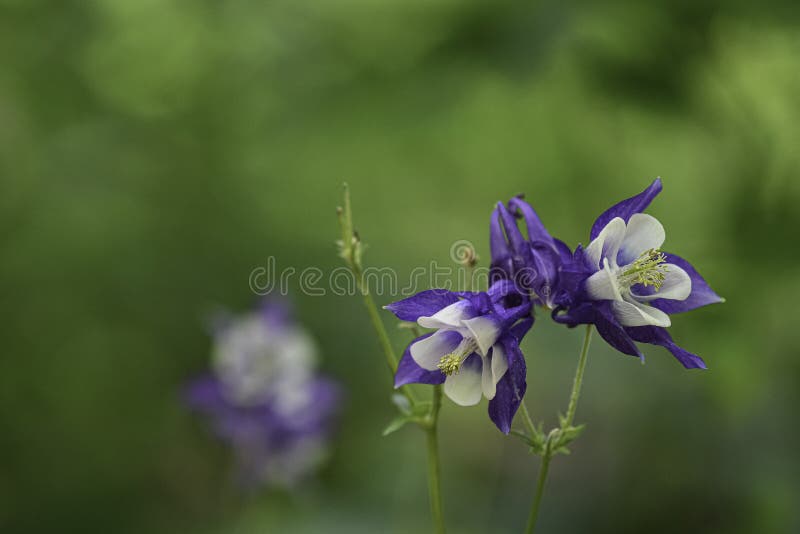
(264, 355)
(474, 349)
(626, 286)
(532, 262)
(265, 399)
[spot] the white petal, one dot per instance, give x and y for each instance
(635, 314)
(487, 383)
(607, 243)
(603, 284)
(677, 286)
(464, 387)
(644, 232)
(448, 317)
(429, 351)
(498, 369)
(485, 332)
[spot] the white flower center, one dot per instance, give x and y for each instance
(637, 246)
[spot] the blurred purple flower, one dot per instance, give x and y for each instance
(475, 348)
(624, 285)
(265, 399)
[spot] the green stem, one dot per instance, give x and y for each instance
(576, 383)
(547, 455)
(377, 324)
(537, 499)
(434, 490)
(351, 252)
(527, 421)
(380, 330)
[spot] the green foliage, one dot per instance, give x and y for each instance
(154, 152)
(419, 414)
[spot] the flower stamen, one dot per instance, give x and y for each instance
(647, 270)
(450, 364)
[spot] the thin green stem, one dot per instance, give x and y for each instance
(549, 446)
(377, 324)
(351, 250)
(537, 499)
(576, 383)
(380, 330)
(527, 421)
(434, 489)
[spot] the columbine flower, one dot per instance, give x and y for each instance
(625, 285)
(533, 262)
(263, 356)
(474, 350)
(265, 399)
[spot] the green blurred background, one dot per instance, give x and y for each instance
(154, 152)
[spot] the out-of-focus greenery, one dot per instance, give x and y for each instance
(154, 152)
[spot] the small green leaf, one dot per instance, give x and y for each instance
(562, 420)
(565, 437)
(397, 424)
(523, 436)
(535, 442)
(569, 434)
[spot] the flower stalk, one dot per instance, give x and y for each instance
(537, 498)
(424, 414)
(556, 441)
(434, 487)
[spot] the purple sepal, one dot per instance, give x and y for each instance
(507, 302)
(516, 241)
(702, 294)
(599, 313)
(408, 372)
(423, 304)
(659, 336)
(614, 333)
(510, 252)
(571, 277)
(510, 389)
(627, 207)
(497, 238)
(536, 230)
(519, 330)
(563, 250)
(581, 314)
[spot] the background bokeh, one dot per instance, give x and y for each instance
(154, 152)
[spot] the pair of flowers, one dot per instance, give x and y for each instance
(622, 283)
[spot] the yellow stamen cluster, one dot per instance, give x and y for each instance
(450, 364)
(648, 270)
